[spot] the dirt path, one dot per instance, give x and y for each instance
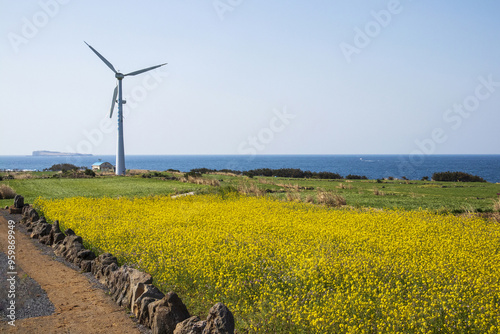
(79, 306)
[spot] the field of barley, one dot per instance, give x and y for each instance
(284, 267)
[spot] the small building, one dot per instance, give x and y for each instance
(103, 167)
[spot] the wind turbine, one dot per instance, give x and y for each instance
(120, 151)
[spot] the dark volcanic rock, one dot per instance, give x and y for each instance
(18, 202)
(193, 325)
(219, 321)
(167, 313)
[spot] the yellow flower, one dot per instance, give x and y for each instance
(291, 267)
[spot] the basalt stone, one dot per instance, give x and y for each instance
(40, 229)
(55, 227)
(58, 238)
(69, 232)
(32, 215)
(124, 281)
(86, 266)
(103, 265)
(60, 249)
(219, 321)
(169, 312)
(108, 271)
(72, 240)
(46, 240)
(19, 202)
(82, 255)
(193, 325)
(73, 250)
(144, 310)
(140, 293)
(14, 211)
(86, 254)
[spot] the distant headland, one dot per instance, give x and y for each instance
(59, 154)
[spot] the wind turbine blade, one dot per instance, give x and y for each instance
(144, 70)
(102, 58)
(114, 101)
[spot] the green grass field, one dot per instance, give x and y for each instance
(95, 187)
(453, 197)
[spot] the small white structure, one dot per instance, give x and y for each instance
(103, 167)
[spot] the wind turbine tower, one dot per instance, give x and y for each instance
(120, 151)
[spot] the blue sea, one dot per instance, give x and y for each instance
(371, 166)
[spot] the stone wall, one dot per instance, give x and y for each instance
(129, 287)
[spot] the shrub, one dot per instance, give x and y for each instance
(193, 174)
(456, 177)
(343, 186)
(293, 196)
(203, 181)
(496, 205)
(89, 172)
(327, 175)
(330, 199)
(356, 177)
(6, 192)
(202, 171)
(291, 173)
(251, 189)
(61, 167)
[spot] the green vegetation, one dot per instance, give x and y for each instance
(455, 197)
(95, 187)
(62, 167)
(457, 177)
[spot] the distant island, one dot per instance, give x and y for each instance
(59, 154)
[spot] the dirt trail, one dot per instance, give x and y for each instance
(79, 307)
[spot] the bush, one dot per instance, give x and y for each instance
(330, 199)
(6, 192)
(61, 167)
(328, 175)
(230, 171)
(192, 173)
(89, 172)
(356, 177)
(202, 171)
(496, 205)
(456, 177)
(291, 173)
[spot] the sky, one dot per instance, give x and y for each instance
(252, 77)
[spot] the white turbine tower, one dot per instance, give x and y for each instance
(120, 151)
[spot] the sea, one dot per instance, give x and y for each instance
(413, 167)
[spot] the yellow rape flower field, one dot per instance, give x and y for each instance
(286, 267)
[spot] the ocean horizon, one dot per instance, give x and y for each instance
(373, 166)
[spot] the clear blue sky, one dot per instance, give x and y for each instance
(266, 77)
